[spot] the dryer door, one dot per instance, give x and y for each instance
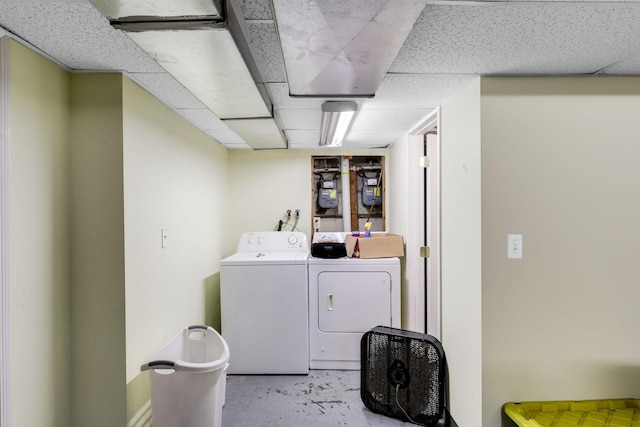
(353, 301)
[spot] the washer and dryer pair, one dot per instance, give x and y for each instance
(284, 312)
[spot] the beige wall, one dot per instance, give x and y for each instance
(560, 165)
(39, 245)
(460, 169)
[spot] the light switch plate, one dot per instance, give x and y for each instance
(165, 237)
(514, 246)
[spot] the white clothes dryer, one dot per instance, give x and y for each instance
(348, 297)
(264, 304)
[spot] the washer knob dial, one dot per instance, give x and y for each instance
(293, 240)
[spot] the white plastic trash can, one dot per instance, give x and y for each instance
(188, 379)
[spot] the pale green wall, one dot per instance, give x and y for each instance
(460, 168)
(175, 177)
(39, 245)
(264, 184)
(98, 251)
(560, 165)
(554, 159)
(137, 168)
(98, 166)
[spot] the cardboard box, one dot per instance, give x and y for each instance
(379, 245)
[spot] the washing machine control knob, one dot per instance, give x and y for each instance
(293, 240)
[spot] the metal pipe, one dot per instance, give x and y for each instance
(346, 194)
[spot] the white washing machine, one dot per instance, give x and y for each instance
(264, 304)
(348, 297)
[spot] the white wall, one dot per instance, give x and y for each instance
(560, 165)
(39, 245)
(461, 245)
(398, 181)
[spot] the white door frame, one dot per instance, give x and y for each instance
(420, 290)
(5, 380)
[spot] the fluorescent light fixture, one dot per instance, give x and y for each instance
(336, 121)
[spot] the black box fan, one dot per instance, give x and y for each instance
(403, 375)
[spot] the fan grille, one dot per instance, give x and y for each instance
(388, 355)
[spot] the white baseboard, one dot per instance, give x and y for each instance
(142, 418)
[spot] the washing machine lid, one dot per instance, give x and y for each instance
(266, 258)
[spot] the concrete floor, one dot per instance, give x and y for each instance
(323, 398)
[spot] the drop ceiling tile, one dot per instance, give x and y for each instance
(299, 138)
(266, 47)
(165, 87)
(209, 64)
(76, 35)
(629, 66)
(203, 118)
(373, 138)
(258, 133)
(301, 119)
(522, 38)
(238, 147)
(256, 9)
(399, 91)
(226, 137)
(388, 119)
(123, 8)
